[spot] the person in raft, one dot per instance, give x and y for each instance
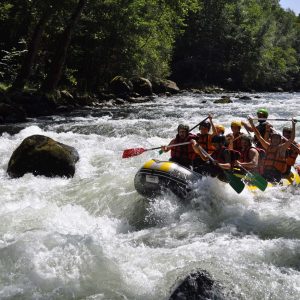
(250, 156)
(234, 137)
(275, 162)
(224, 158)
(262, 115)
(220, 129)
(293, 151)
(183, 155)
(204, 139)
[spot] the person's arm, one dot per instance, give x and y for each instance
(197, 150)
(167, 148)
(247, 127)
(268, 131)
(264, 143)
(214, 130)
(252, 164)
(289, 142)
(227, 165)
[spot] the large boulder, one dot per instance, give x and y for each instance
(120, 85)
(142, 86)
(163, 86)
(41, 155)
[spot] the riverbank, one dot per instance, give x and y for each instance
(16, 106)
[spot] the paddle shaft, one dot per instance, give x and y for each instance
(171, 145)
(198, 124)
(297, 119)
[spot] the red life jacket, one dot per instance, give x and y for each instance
(204, 140)
(237, 144)
(261, 155)
(245, 154)
(220, 155)
(184, 152)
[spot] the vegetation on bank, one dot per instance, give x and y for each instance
(82, 44)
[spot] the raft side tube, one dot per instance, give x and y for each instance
(157, 177)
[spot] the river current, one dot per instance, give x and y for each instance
(94, 237)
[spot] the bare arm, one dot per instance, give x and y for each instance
(167, 148)
(289, 142)
(264, 143)
(252, 164)
(247, 127)
(214, 130)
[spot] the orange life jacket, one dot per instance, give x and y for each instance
(204, 140)
(274, 161)
(184, 152)
(292, 155)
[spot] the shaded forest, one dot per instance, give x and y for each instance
(82, 44)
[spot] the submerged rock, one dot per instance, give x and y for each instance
(41, 155)
(224, 100)
(197, 286)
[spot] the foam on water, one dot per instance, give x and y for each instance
(94, 237)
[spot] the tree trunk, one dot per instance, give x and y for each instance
(29, 59)
(57, 65)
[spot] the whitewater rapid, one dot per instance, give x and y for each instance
(94, 237)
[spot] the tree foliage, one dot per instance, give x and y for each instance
(247, 43)
(241, 43)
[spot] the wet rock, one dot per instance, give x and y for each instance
(120, 101)
(224, 100)
(197, 286)
(245, 98)
(41, 155)
(141, 86)
(163, 86)
(120, 85)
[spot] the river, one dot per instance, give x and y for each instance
(94, 237)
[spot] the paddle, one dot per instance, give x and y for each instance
(296, 119)
(137, 151)
(236, 183)
(255, 179)
(198, 124)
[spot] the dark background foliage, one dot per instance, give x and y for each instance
(82, 45)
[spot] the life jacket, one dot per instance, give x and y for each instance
(274, 161)
(204, 140)
(184, 152)
(261, 155)
(220, 155)
(292, 155)
(245, 154)
(237, 145)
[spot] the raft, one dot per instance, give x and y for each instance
(156, 177)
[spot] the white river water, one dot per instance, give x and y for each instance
(94, 237)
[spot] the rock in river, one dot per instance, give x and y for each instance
(41, 155)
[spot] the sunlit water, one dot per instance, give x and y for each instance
(94, 237)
